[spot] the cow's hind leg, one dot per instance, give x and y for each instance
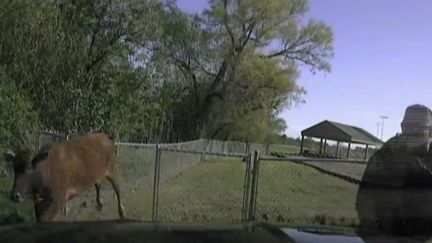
(113, 179)
(99, 204)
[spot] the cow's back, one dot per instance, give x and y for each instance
(78, 163)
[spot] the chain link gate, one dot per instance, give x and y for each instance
(171, 211)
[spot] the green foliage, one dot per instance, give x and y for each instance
(132, 107)
(44, 61)
(260, 89)
(139, 68)
(72, 61)
(18, 120)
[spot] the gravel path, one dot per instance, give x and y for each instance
(348, 171)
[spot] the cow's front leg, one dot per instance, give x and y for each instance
(47, 209)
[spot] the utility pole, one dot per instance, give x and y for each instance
(382, 125)
(378, 126)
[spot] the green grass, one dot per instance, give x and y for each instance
(11, 212)
(212, 192)
(293, 193)
(284, 149)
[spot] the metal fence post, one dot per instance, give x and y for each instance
(156, 184)
(117, 143)
(247, 148)
(246, 188)
(254, 186)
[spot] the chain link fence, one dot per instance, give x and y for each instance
(195, 181)
(216, 181)
(47, 138)
(294, 192)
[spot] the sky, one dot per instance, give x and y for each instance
(382, 64)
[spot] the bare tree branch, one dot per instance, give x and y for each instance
(225, 20)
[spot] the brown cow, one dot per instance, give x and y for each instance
(65, 169)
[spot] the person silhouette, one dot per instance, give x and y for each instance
(395, 194)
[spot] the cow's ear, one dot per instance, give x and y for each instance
(9, 155)
(38, 158)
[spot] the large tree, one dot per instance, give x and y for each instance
(241, 57)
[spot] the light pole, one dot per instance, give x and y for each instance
(382, 125)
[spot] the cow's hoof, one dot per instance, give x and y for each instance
(99, 207)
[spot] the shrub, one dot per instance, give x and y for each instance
(18, 120)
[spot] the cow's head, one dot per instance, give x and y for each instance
(27, 180)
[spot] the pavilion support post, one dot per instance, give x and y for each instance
(366, 151)
(325, 145)
(321, 143)
(337, 149)
(349, 148)
(301, 145)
